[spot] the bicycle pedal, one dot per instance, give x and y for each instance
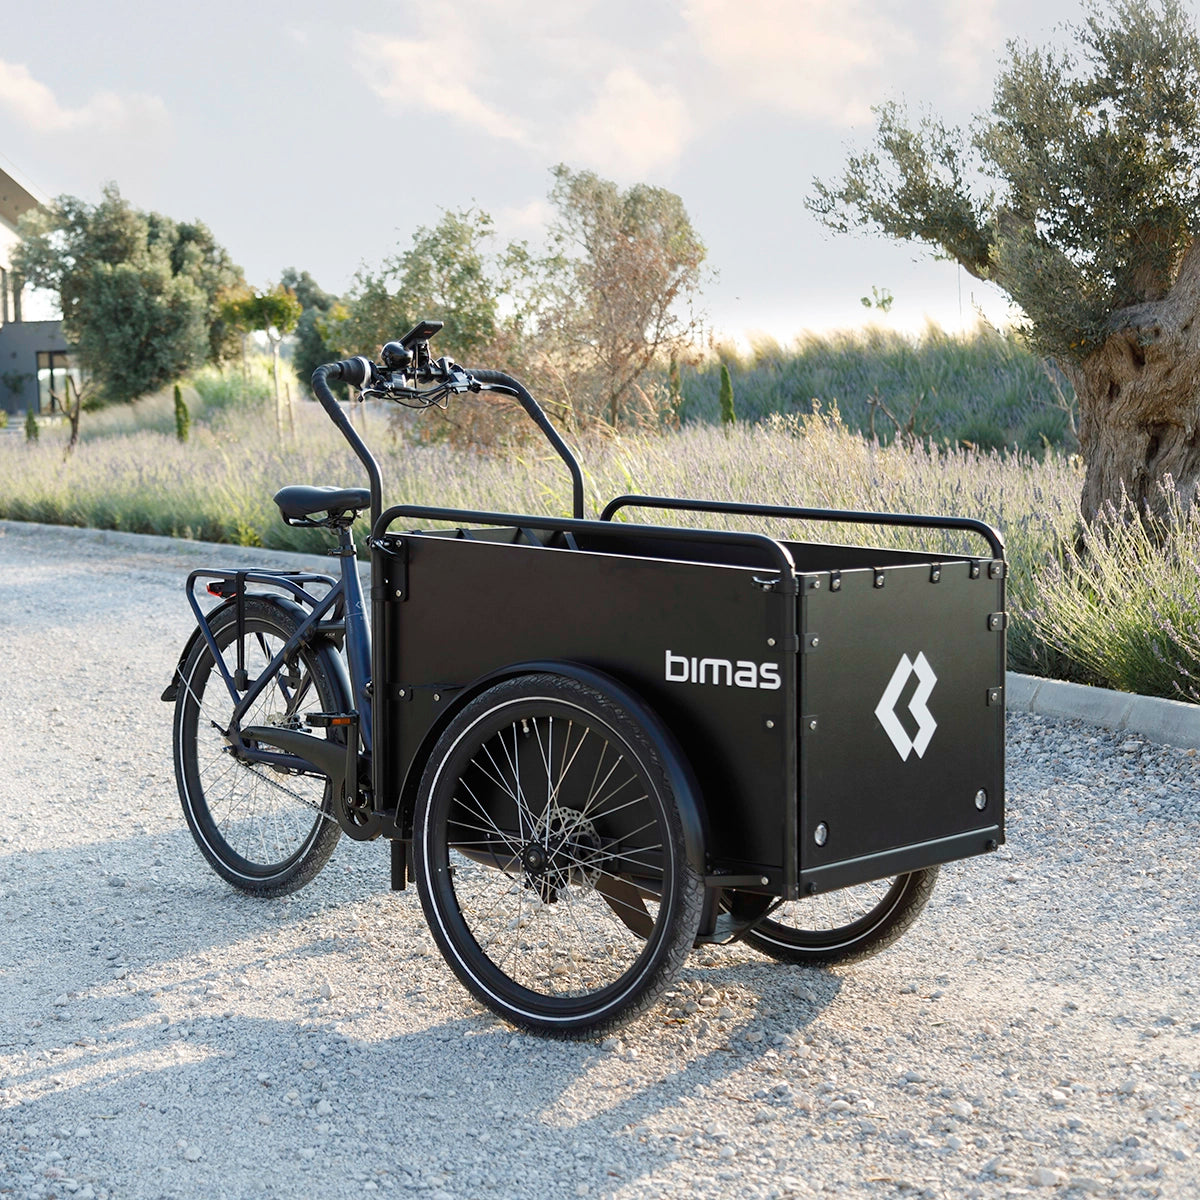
(320, 720)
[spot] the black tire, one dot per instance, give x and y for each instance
(266, 832)
(844, 926)
(549, 857)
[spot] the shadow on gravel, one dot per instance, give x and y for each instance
(468, 1106)
(140, 966)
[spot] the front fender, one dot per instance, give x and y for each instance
(679, 774)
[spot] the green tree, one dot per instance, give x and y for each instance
(135, 289)
(273, 313)
(316, 307)
(31, 426)
(1078, 195)
(446, 273)
(725, 398)
(617, 291)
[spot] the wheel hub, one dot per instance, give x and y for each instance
(559, 853)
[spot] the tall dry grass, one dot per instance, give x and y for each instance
(1121, 611)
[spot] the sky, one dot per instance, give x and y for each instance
(320, 137)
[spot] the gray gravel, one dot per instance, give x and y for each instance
(161, 1035)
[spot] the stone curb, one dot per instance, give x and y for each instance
(1170, 721)
(217, 554)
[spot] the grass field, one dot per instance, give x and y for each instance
(1113, 608)
(980, 388)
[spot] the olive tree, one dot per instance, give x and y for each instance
(1078, 195)
(616, 294)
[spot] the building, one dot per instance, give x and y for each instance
(33, 356)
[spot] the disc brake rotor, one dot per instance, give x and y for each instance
(559, 852)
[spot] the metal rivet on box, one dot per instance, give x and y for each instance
(770, 724)
(770, 641)
(821, 834)
(813, 723)
(436, 697)
(981, 799)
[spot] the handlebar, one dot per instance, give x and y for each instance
(409, 376)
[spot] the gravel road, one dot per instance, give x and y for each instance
(162, 1035)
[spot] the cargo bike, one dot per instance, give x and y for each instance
(595, 744)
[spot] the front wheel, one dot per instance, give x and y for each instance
(846, 925)
(264, 830)
(549, 857)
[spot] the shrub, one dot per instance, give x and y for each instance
(725, 399)
(183, 421)
(31, 426)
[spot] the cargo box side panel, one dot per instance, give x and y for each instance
(701, 644)
(902, 720)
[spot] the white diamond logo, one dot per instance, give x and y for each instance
(885, 710)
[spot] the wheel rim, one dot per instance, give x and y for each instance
(833, 920)
(256, 820)
(546, 843)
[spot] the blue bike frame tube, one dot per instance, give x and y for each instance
(358, 645)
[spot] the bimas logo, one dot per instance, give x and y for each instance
(723, 672)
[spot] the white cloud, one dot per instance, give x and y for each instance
(36, 106)
(525, 221)
(821, 59)
(974, 43)
(632, 126)
(402, 71)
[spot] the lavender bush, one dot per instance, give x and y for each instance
(1120, 613)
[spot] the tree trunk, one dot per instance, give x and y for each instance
(1139, 403)
(275, 381)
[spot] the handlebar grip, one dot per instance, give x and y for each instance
(355, 371)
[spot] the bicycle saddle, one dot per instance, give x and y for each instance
(298, 500)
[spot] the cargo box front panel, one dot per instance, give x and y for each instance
(901, 719)
(710, 652)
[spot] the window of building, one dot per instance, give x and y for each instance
(53, 368)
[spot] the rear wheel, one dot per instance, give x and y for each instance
(549, 856)
(845, 925)
(264, 830)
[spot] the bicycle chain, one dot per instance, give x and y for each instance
(287, 791)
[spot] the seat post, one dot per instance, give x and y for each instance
(346, 546)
